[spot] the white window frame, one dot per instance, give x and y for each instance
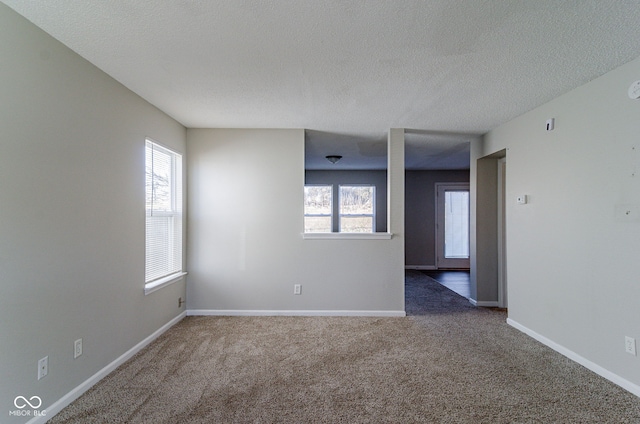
(174, 253)
(372, 215)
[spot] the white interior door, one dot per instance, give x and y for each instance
(452, 225)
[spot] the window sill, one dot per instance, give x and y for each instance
(163, 282)
(347, 236)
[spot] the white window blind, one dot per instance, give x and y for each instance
(163, 212)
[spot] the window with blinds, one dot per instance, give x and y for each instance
(163, 212)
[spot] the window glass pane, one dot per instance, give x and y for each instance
(356, 200)
(317, 200)
(456, 225)
(159, 166)
(357, 206)
(317, 224)
(358, 224)
(317, 208)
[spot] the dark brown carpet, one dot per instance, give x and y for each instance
(447, 363)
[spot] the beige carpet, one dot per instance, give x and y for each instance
(465, 366)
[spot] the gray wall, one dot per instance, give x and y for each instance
(246, 246)
(420, 214)
(572, 251)
(336, 178)
(72, 221)
(485, 273)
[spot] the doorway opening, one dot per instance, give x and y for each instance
(452, 226)
(489, 274)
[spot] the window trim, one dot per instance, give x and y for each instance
(350, 215)
(176, 212)
(347, 236)
(163, 282)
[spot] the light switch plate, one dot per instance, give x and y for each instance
(77, 348)
(630, 345)
(43, 367)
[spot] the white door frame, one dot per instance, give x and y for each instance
(441, 261)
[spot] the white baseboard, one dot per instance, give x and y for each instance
(74, 394)
(614, 378)
(484, 303)
(421, 267)
(311, 313)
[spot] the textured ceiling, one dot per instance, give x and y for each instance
(347, 69)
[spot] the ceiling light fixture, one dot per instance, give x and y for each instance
(333, 158)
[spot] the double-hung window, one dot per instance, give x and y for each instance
(318, 208)
(357, 209)
(163, 216)
(356, 205)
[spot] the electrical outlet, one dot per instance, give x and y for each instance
(180, 302)
(630, 345)
(43, 367)
(297, 289)
(77, 348)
